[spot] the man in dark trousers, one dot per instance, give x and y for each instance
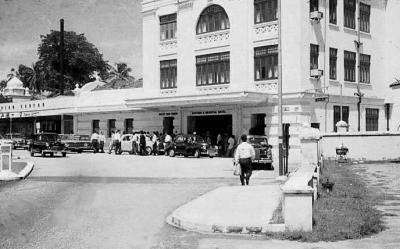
(244, 155)
(142, 143)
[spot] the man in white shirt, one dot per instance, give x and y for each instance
(95, 141)
(117, 141)
(244, 155)
(167, 141)
(112, 144)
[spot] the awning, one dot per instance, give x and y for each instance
(241, 97)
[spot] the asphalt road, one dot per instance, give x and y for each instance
(108, 201)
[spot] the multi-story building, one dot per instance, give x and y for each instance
(211, 67)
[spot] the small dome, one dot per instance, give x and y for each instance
(15, 83)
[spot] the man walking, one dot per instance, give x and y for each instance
(243, 155)
(112, 143)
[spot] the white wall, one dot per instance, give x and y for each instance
(364, 146)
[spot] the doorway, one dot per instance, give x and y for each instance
(211, 126)
(168, 125)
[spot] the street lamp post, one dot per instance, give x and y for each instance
(280, 130)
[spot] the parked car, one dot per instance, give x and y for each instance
(47, 144)
(263, 155)
(18, 141)
(4, 140)
(190, 145)
(127, 144)
(76, 143)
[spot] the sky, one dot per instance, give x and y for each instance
(114, 27)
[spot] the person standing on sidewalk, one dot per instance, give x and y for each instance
(95, 141)
(243, 155)
(112, 145)
(117, 142)
(102, 139)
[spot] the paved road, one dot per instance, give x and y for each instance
(108, 201)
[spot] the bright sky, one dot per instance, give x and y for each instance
(114, 27)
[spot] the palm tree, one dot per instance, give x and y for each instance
(119, 73)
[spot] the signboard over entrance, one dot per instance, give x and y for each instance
(209, 112)
(167, 114)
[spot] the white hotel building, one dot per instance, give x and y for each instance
(211, 66)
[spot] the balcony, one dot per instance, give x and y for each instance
(266, 31)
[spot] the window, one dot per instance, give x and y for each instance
(365, 11)
(365, 61)
(213, 18)
(337, 117)
(314, 5)
(266, 63)
(265, 10)
(129, 125)
(212, 69)
(167, 27)
(314, 52)
(168, 74)
(349, 66)
(111, 127)
(350, 14)
(95, 125)
(371, 119)
(333, 11)
(332, 63)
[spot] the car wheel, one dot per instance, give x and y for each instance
(64, 154)
(79, 151)
(197, 154)
(211, 156)
(43, 154)
(51, 154)
(148, 150)
(32, 152)
(171, 152)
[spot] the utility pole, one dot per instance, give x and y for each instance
(280, 128)
(61, 56)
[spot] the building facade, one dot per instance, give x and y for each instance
(211, 67)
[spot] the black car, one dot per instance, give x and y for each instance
(46, 144)
(262, 150)
(190, 145)
(76, 143)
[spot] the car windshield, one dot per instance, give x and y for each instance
(83, 138)
(65, 137)
(15, 135)
(47, 137)
(257, 140)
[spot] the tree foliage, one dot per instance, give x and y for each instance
(81, 59)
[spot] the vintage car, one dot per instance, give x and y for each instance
(4, 140)
(127, 144)
(190, 145)
(263, 155)
(18, 141)
(76, 143)
(47, 144)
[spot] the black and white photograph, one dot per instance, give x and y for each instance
(199, 124)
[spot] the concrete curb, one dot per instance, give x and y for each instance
(231, 229)
(11, 176)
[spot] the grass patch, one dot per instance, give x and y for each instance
(347, 212)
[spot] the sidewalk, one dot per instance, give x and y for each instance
(237, 209)
(19, 170)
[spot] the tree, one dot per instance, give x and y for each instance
(31, 77)
(81, 59)
(119, 73)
